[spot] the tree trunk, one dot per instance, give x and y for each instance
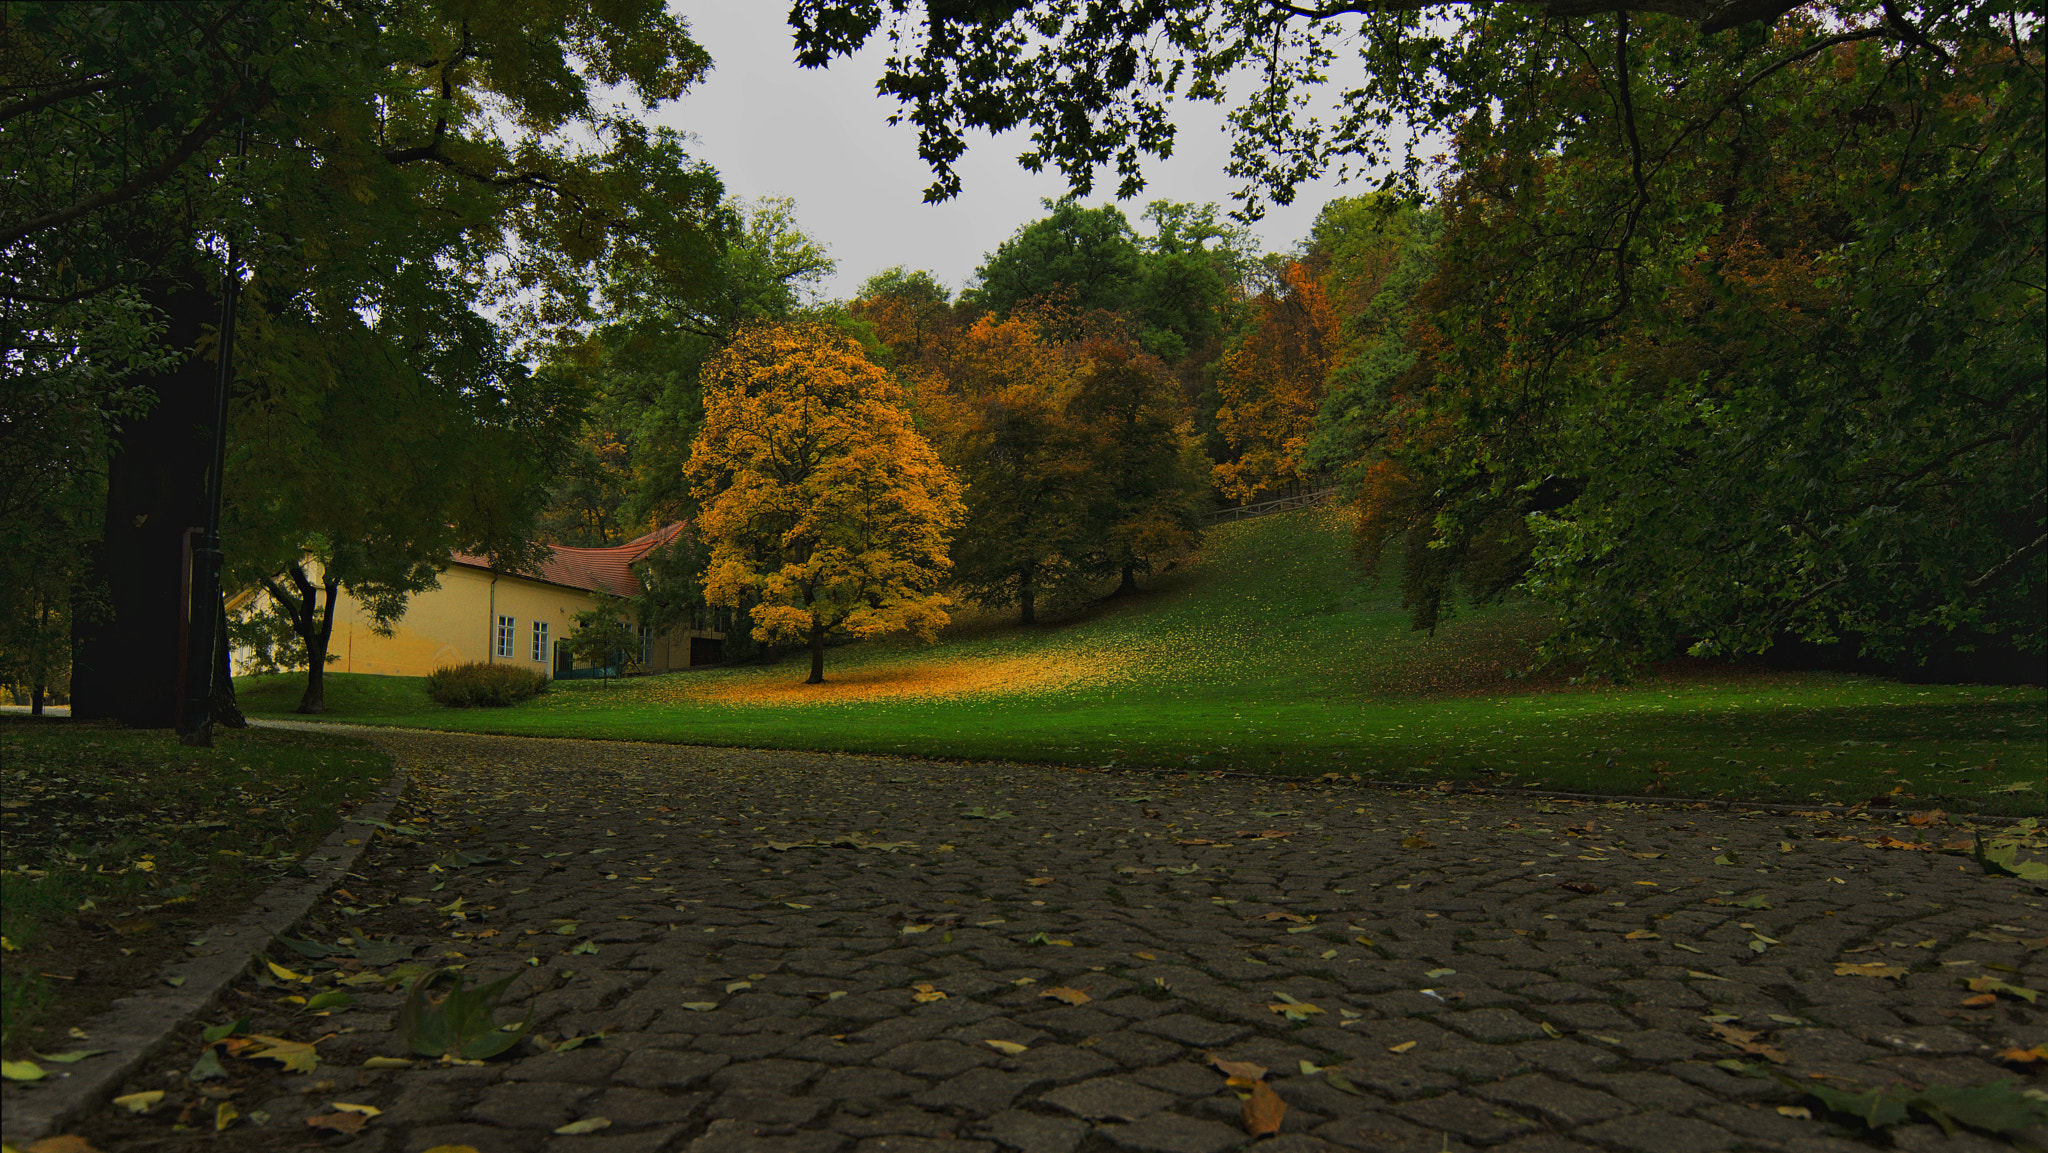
(35, 700)
(128, 660)
(316, 636)
(226, 712)
(1026, 599)
(817, 653)
(1129, 584)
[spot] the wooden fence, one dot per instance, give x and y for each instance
(1266, 507)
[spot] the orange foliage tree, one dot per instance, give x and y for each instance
(1271, 385)
(826, 511)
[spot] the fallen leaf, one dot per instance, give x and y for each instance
(1416, 841)
(225, 1115)
(295, 1056)
(1642, 935)
(1403, 1047)
(1746, 1040)
(73, 1055)
(346, 1107)
(1995, 986)
(700, 1006)
(2025, 1056)
(1581, 886)
(1038, 880)
(67, 1143)
(924, 993)
(1871, 969)
(1263, 1110)
(1070, 996)
(1006, 1048)
(338, 1122)
(1800, 1112)
(284, 974)
(1341, 1083)
(387, 1063)
(587, 1125)
(1295, 917)
(141, 1102)
(1244, 1069)
(1980, 1000)
(22, 1071)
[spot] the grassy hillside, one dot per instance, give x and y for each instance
(1271, 653)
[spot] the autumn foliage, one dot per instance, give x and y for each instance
(1272, 385)
(828, 514)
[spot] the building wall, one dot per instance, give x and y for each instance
(457, 624)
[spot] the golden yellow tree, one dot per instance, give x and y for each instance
(827, 513)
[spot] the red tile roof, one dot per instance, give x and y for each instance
(609, 569)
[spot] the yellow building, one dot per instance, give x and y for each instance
(477, 615)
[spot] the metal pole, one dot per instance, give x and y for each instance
(195, 719)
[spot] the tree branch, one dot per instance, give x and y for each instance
(1711, 15)
(2017, 555)
(128, 189)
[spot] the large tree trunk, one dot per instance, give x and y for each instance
(316, 634)
(1026, 598)
(128, 665)
(817, 654)
(1129, 584)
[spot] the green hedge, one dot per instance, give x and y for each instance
(491, 686)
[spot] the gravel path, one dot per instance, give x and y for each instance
(801, 953)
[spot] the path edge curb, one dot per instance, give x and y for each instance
(136, 1027)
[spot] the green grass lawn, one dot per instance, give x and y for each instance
(121, 844)
(1272, 654)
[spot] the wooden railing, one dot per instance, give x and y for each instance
(1268, 507)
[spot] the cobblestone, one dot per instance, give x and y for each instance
(801, 953)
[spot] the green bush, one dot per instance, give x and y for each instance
(471, 685)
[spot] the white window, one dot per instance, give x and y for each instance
(506, 628)
(540, 640)
(646, 646)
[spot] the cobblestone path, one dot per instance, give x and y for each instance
(798, 953)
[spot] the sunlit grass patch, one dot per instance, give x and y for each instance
(1272, 654)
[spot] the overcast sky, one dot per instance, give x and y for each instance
(822, 138)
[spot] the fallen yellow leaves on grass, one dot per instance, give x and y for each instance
(936, 678)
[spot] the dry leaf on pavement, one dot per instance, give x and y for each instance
(1263, 1110)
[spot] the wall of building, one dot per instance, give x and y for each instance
(457, 624)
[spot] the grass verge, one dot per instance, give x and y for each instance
(1274, 655)
(121, 845)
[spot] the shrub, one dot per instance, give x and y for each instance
(470, 685)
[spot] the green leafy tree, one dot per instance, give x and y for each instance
(1728, 317)
(605, 636)
(1143, 492)
(354, 155)
(1083, 258)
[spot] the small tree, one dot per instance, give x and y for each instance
(605, 637)
(820, 499)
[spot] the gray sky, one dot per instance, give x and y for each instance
(822, 138)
